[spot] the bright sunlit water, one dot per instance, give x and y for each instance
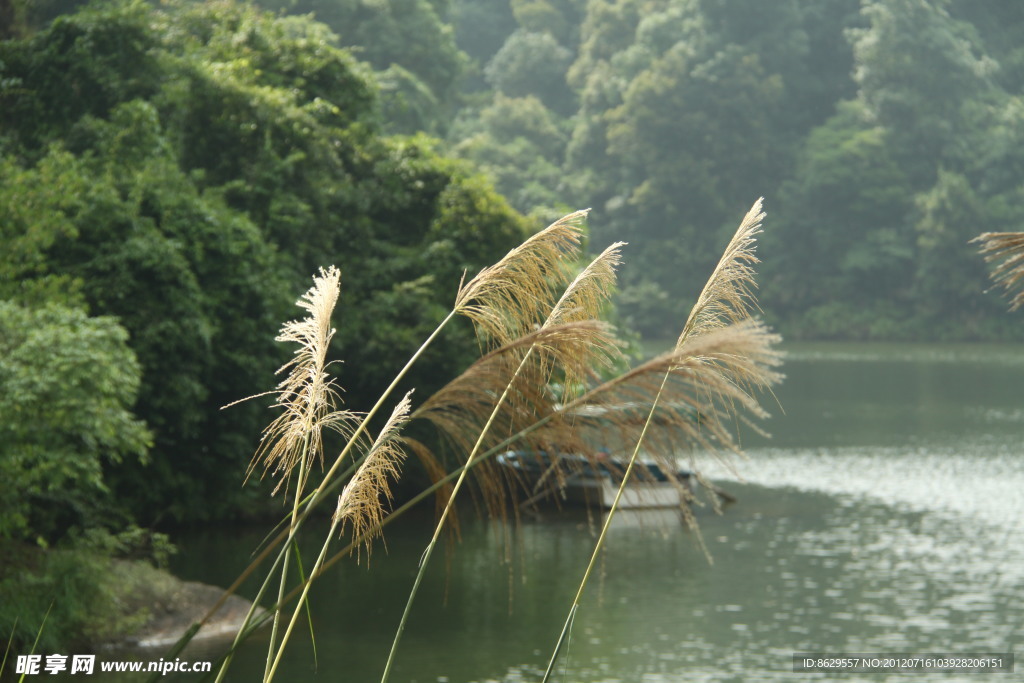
(885, 515)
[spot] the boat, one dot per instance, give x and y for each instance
(580, 480)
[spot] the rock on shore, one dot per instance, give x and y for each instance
(161, 607)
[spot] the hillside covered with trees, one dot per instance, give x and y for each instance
(169, 178)
(884, 135)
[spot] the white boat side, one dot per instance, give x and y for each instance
(601, 491)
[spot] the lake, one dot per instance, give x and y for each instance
(884, 516)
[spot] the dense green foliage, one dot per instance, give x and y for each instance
(69, 383)
(408, 45)
(884, 134)
(180, 172)
(77, 592)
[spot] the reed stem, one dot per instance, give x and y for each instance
(284, 567)
(604, 531)
(302, 600)
(242, 630)
(319, 492)
(444, 516)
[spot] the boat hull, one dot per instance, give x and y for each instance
(585, 485)
(635, 495)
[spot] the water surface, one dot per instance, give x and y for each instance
(883, 516)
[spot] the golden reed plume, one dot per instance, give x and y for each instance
(360, 503)
(1007, 247)
(307, 395)
(727, 296)
(571, 346)
(515, 295)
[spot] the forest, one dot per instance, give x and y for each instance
(883, 134)
(172, 173)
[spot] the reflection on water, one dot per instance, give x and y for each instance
(885, 516)
(797, 571)
(975, 481)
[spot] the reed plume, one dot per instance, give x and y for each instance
(711, 379)
(461, 410)
(360, 503)
(307, 395)
(584, 299)
(728, 296)
(571, 341)
(721, 359)
(461, 407)
(1008, 249)
(514, 296)
(577, 303)
(705, 378)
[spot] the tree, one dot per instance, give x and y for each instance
(674, 128)
(220, 156)
(532, 64)
(519, 143)
(918, 71)
(481, 27)
(559, 18)
(68, 386)
(408, 43)
(834, 264)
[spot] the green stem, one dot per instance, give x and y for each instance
(604, 530)
(302, 600)
(10, 641)
(247, 572)
(444, 516)
(292, 528)
(253, 606)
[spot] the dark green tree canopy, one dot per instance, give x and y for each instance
(217, 156)
(884, 135)
(69, 382)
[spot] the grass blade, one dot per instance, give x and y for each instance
(10, 641)
(305, 605)
(39, 634)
